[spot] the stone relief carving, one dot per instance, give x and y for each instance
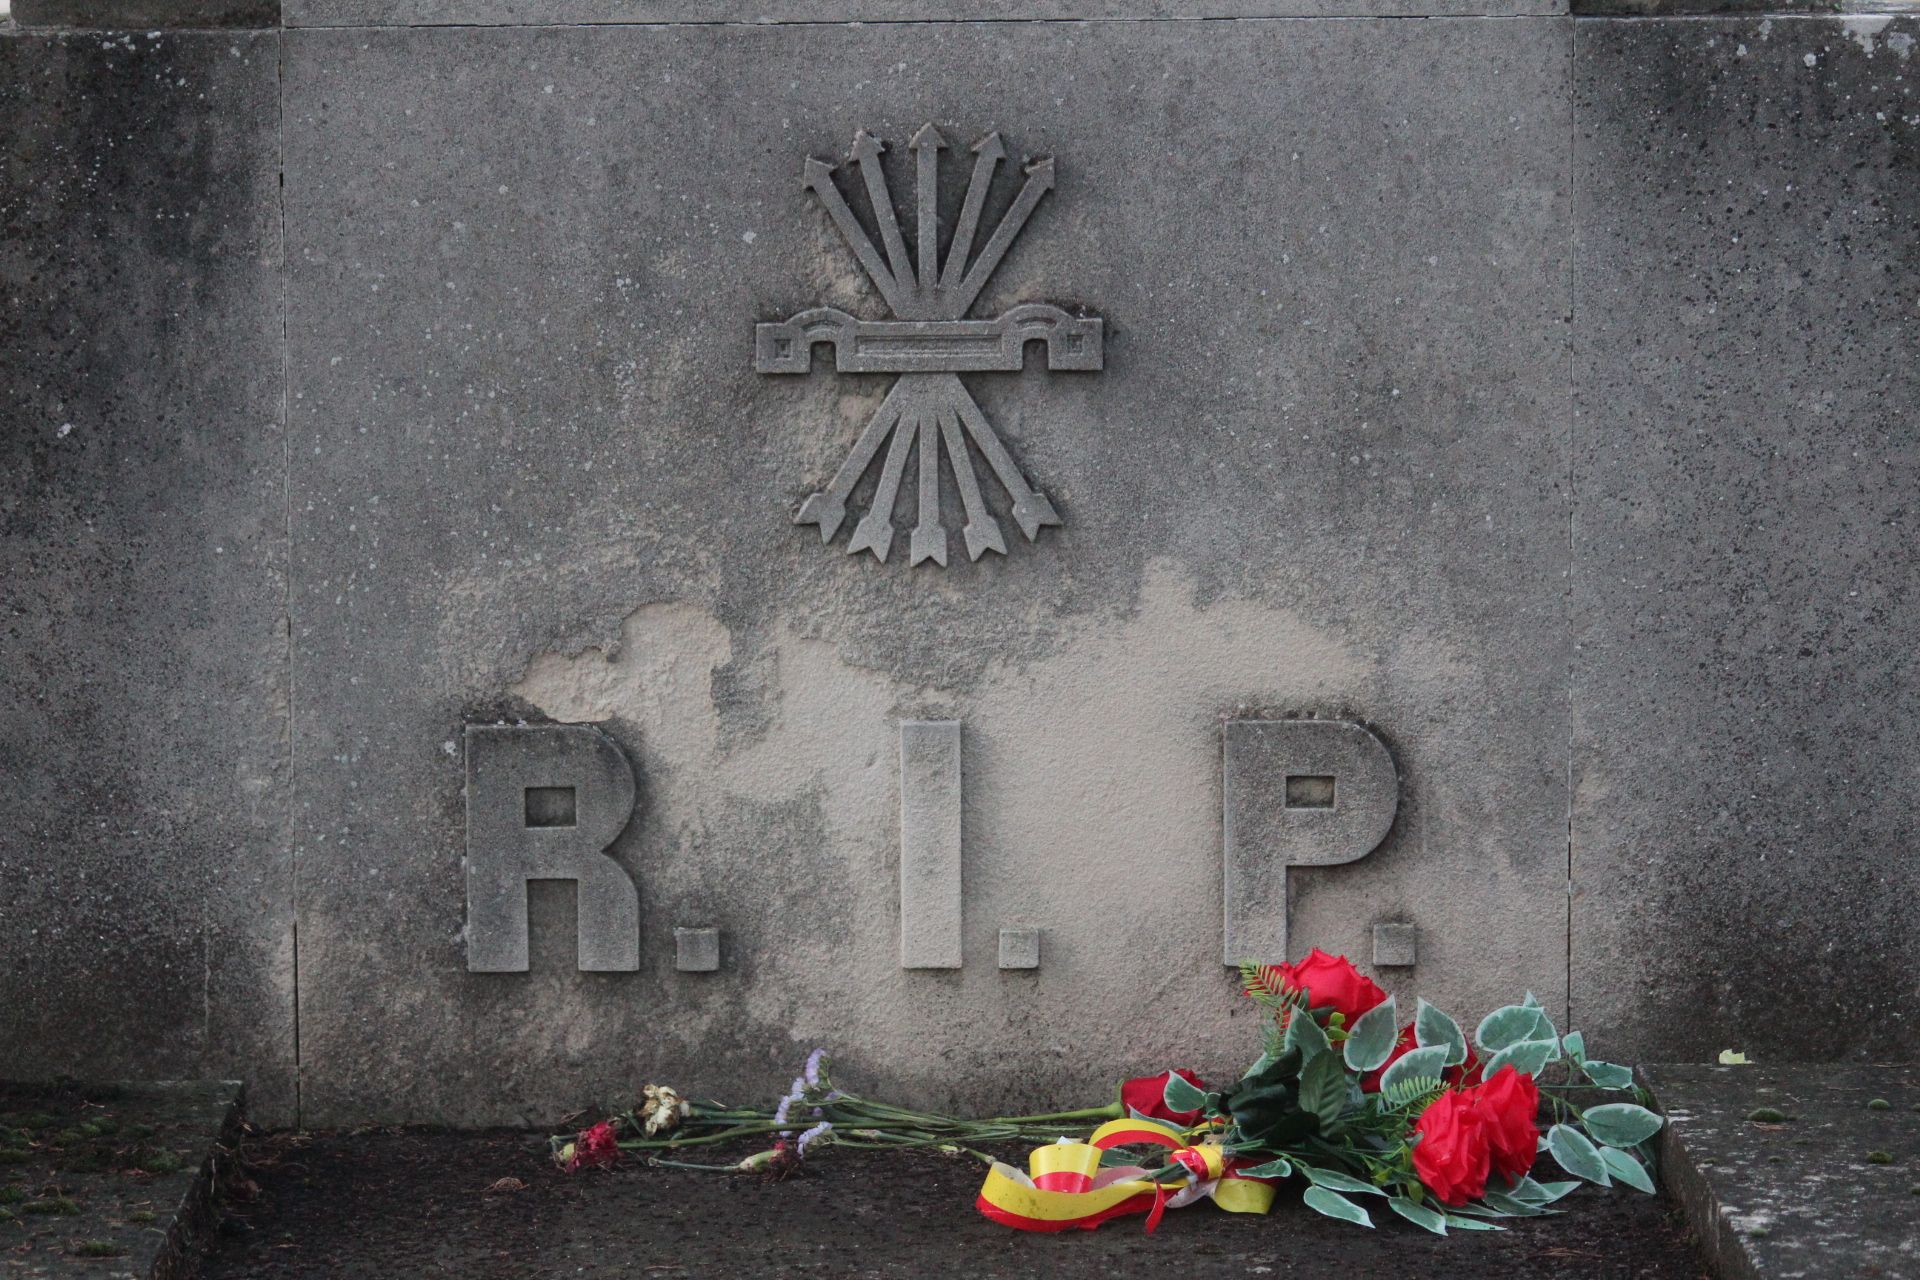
(1297, 793)
(543, 803)
(931, 342)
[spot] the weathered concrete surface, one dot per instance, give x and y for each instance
(534, 474)
(356, 13)
(144, 872)
(146, 15)
(112, 1180)
(1830, 1189)
(1745, 576)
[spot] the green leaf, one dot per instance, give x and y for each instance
(1181, 1096)
(1471, 1224)
(1321, 1200)
(1323, 1090)
(1570, 1148)
(1528, 1057)
(1371, 1041)
(1260, 1064)
(1507, 1026)
(1333, 1180)
(1416, 1064)
(1625, 1168)
(1542, 1192)
(1306, 1034)
(1432, 1026)
(1608, 1075)
(1513, 1208)
(1271, 1169)
(1418, 1214)
(1576, 1045)
(1620, 1124)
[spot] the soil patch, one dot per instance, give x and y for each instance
(431, 1203)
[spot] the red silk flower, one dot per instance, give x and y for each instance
(1452, 1156)
(595, 1146)
(1331, 982)
(1509, 1108)
(1466, 1073)
(1147, 1096)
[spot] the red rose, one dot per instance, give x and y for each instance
(1509, 1108)
(595, 1146)
(1147, 1096)
(1467, 1073)
(1331, 982)
(1452, 1156)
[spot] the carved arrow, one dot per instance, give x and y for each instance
(929, 541)
(828, 508)
(866, 154)
(1030, 509)
(875, 531)
(987, 155)
(983, 531)
(927, 146)
(819, 180)
(1039, 182)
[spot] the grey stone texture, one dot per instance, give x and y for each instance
(696, 950)
(1296, 793)
(360, 13)
(146, 15)
(1019, 948)
(1827, 1190)
(535, 475)
(1480, 381)
(145, 878)
(1745, 578)
(543, 803)
(930, 849)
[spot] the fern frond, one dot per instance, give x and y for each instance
(1413, 1094)
(1266, 985)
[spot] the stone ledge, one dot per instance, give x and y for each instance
(113, 1180)
(1806, 1195)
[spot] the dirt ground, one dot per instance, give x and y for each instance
(387, 1204)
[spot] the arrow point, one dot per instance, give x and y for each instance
(984, 537)
(875, 534)
(928, 137)
(866, 146)
(1042, 171)
(990, 147)
(822, 510)
(929, 543)
(1033, 512)
(817, 171)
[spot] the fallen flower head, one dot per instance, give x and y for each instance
(597, 1145)
(663, 1108)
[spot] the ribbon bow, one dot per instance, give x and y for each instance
(1067, 1187)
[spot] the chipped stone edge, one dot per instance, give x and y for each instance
(1686, 1183)
(191, 1228)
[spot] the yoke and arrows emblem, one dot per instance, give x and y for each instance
(929, 344)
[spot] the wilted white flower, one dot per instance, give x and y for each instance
(663, 1108)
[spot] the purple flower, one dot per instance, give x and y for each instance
(818, 1131)
(780, 1112)
(814, 1060)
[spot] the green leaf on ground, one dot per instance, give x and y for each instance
(1321, 1200)
(1608, 1075)
(1418, 1214)
(1620, 1124)
(1570, 1148)
(1181, 1096)
(1333, 1180)
(1625, 1168)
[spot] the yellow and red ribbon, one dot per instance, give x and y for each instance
(1066, 1187)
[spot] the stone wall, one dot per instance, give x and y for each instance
(1534, 392)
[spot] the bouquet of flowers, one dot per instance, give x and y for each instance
(1357, 1105)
